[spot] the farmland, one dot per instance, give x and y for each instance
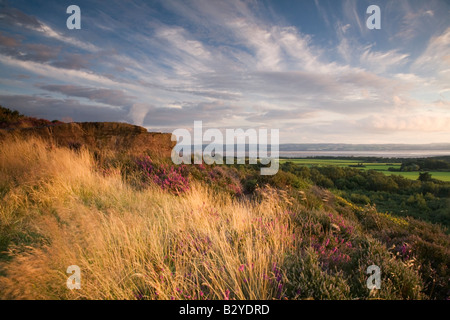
(377, 166)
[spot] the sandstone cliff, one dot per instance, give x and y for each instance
(100, 136)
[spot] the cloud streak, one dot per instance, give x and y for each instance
(236, 63)
(105, 96)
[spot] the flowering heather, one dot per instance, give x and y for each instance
(226, 295)
(277, 280)
(171, 178)
(342, 226)
(218, 177)
(334, 248)
(334, 251)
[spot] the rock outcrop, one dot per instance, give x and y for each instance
(100, 136)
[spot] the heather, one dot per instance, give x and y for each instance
(143, 228)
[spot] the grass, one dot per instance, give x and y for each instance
(134, 241)
(438, 175)
(381, 167)
(129, 244)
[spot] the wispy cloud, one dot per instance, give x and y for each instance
(435, 60)
(54, 108)
(100, 95)
(168, 63)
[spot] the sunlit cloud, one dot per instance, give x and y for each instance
(238, 63)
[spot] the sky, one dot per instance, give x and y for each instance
(310, 68)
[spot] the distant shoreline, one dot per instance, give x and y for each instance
(357, 150)
(355, 154)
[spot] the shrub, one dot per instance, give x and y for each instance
(171, 178)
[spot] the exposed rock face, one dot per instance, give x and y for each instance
(101, 136)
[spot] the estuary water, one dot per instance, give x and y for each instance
(383, 154)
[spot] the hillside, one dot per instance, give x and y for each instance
(141, 228)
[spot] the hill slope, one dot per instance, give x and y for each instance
(143, 229)
(139, 227)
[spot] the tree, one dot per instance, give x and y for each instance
(424, 176)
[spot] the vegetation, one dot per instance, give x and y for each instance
(426, 198)
(437, 167)
(13, 119)
(141, 228)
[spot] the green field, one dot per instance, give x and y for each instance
(381, 167)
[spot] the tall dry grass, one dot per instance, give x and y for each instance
(57, 210)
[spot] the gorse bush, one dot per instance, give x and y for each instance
(145, 229)
(9, 116)
(13, 119)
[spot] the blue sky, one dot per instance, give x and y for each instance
(311, 69)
